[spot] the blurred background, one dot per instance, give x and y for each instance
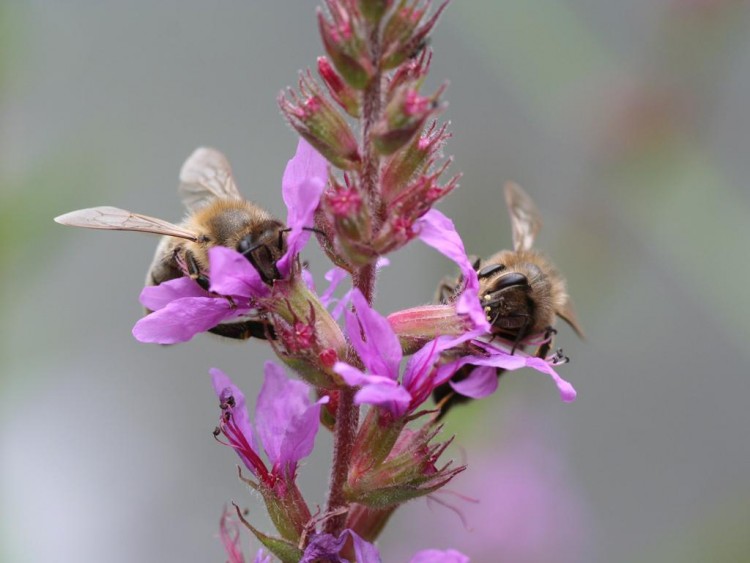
(628, 124)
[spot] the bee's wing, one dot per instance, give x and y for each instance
(524, 216)
(568, 313)
(205, 176)
(112, 218)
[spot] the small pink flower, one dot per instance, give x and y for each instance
(286, 423)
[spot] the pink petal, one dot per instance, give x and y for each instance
(309, 280)
(286, 421)
(155, 297)
(182, 319)
(481, 382)
(387, 394)
(420, 364)
(567, 392)
(437, 231)
(232, 274)
(381, 351)
(304, 179)
(351, 375)
(364, 551)
(223, 387)
(375, 389)
(334, 277)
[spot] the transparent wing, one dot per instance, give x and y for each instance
(112, 218)
(205, 176)
(568, 313)
(524, 216)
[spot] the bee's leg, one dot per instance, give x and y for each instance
(250, 254)
(244, 330)
(194, 270)
(544, 348)
(445, 291)
(281, 237)
(521, 333)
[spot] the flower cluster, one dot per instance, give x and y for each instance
(365, 177)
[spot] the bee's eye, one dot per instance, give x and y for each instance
(252, 241)
(491, 269)
(512, 279)
(246, 244)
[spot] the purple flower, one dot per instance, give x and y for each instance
(483, 380)
(381, 354)
(326, 547)
(182, 309)
(286, 423)
(436, 230)
(303, 183)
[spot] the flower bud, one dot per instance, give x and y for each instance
(313, 116)
(374, 10)
(413, 71)
(342, 37)
(408, 472)
(419, 156)
(308, 339)
(346, 210)
(343, 94)
(286, 507)
(375, 439)
(403, 36)
(418, 325)
(412, 203)
(403, 117)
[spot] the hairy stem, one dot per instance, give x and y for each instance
(347, 413)
(371, 108)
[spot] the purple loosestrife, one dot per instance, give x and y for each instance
(286, 423)
(368, 170)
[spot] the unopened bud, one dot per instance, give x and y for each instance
(307, 335)
(406, 33)
(310, 113)
(403, 166)
(404, 116)
(409, 471)
(343, 94)
(374, 10)
(345, 209)
(418, 325)
(343, 41)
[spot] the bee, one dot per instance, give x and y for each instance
(217, 215)
(520, 290)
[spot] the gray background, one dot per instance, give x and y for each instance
(626, 121)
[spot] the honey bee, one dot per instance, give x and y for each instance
(521, 292)
(217, 216)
